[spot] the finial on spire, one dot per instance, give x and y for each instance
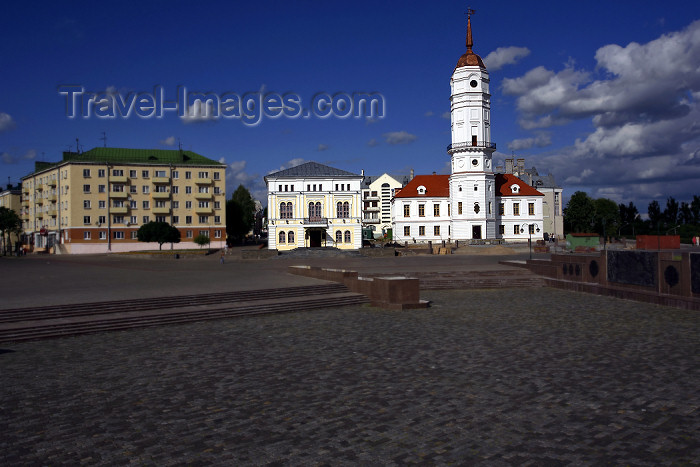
(470, 42)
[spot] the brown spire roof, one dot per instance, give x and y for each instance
(470, 58)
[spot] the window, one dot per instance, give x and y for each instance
(146, 219)
(101, 188)
(516, 231)
(86, 220)
(459, 207)
(489, 207)
(118, 203)
(436, 210)
(217, 219)
(282, 237)
(502, 229)
(516, 209)
(160, 189)
(160, 219)
(144, 173)
(118, 219)
(203, 175)
(176, 219)
(103, 235)
(501, 209)
(86, 235)
(117, 173)
(347, 237)
(133, 235)
(407, 230)
(188, 234)
(203, 219)
(205, 189)
(176, 174)
(531, 209)
(145, 189)
(285, 210)
(476, 187)
(406, 210)
(100, 172)
(204, 232)
(159, 173)
(217, 204)
(86, 204)
(339, 236)
(132, 173)
(421, 230)
(133, 204)
(188, 190)
(133, 189)
(86, 173)
(119, 235)
(421, 210)
(436, 230)
(217, 190)
(146, 204)
(86, 188)
(176, 189)
(343, 209)
(290, 237)
(217, 175)
(448, 211)
(202, 204)
(117, 188)
(217, 233)
(101, 219)
(477, 208)
(176, 204)
(315, 209)
(188, 204)
(132, 220)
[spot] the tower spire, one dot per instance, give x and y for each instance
(470, 42)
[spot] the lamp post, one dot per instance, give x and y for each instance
(529, 241)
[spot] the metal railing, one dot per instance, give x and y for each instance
(471, 144)
(316, 220)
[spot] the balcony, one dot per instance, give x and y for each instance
(161, 180)
(371, 209)
(52, 183)
(118, 194)
(119, 209)
(199, 210)
(52, 212)
(162, 210)
(39, 187)
(316, 221)
(202, 195)
(53, 198)
(203, 181)
(39, 200)
(39, 215)
(161, 195)
(25, 203)
(370, 220)
(370, 198)
(455, 147)
(118, 179)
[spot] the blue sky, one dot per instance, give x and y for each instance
(602, 94)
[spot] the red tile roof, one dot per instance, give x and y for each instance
(505, 181)
(435, 186)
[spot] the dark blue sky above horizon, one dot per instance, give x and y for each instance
(602, 94)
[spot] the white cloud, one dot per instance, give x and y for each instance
(505, 56)
(8, 158)
(198, 113)
(6, 122)
(399, 137)
(372, 143)
(322, 147)
(446, 115)
(169, 141)
(540, 141)
(429, 113)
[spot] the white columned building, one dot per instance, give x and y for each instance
(472, 189)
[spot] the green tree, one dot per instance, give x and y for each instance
(9, 223)
(240, 214)
(655, 215)
(685, 215)
(160, 232)
(671, 211)
(607, 216)
(202, 240)
(695, 209)
(579, 213)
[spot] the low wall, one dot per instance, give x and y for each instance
(658, 242)
(397, 293)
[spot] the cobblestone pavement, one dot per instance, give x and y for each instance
(490, 377)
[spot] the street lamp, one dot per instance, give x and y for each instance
(529, 241)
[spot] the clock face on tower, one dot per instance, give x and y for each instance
(473, 83)
(475, 162)
(460, 162)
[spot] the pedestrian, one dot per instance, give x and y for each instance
(222, 258)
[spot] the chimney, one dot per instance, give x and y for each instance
(434, 173)
(509, 166)
(363, 172)
(521, 166)
(411, 175)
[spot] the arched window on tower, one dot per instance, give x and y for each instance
(347, 236)
(282, 238)
(290, 237)
(339, 237)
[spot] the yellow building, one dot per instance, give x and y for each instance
(95, 201)
(313, 205)
(10, 199)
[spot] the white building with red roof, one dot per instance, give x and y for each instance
(473, 202)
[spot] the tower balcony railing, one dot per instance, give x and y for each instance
(471, 144)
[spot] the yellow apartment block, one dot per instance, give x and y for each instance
(95, 201)
(10, 199)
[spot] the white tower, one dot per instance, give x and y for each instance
(472, 183)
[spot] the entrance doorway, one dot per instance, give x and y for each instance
(476, 231)
(314, 238)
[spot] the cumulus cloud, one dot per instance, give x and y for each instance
(6, 122)
(372, 143)
(503, 56)
(169, 141)
(643, 101)
(399, 137)
(540, 141)
(8, 158)
(446, 115)
(199, 113)
(322, 147)
(429, 113)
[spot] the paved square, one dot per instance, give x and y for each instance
(492, 377)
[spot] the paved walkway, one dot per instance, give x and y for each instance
(493, 377)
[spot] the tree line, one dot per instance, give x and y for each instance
(605, 217)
